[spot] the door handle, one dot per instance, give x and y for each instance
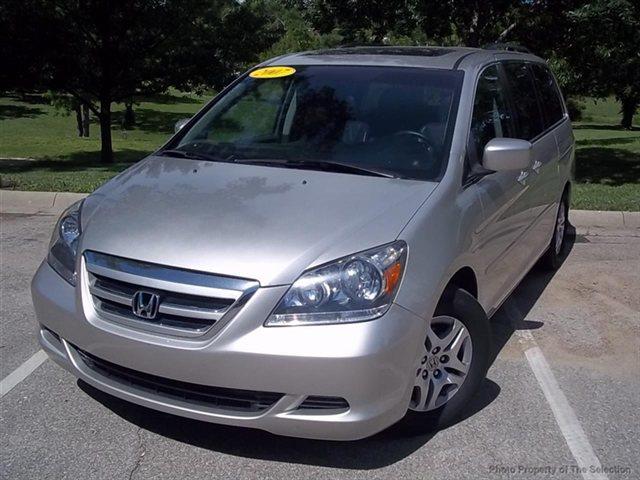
(537, 165)
(522, 178)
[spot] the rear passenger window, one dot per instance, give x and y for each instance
(549, 94)
(525, 104)
(491, 117)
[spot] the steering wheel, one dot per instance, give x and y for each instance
(412, 133)
(417, 136)
(421, 139)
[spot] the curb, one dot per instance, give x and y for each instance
(31, 203)
(605, 219)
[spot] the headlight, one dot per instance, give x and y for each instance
(63, 247)
(353, 289)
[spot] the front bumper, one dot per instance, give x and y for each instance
(369, 364)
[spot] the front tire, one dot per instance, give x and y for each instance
(452, 365)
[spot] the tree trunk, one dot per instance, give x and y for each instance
(85, 120)
(79, 124)
(129, 119)
(106, 152)
(629, 107)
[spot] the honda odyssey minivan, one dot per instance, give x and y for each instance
(318, 251)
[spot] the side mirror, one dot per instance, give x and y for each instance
(507, 154)
(179, 124)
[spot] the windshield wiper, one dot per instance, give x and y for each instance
(322, 165)
(191, 155)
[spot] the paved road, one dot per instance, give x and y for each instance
(584, 321)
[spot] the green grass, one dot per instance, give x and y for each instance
(607, 157)
(607, 160)
(63, 161)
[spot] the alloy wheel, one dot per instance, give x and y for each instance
(442, 365)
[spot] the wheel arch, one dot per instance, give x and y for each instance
(464, 278)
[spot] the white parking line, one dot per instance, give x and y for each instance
(565, 417)
(22, 372)
(567, 421)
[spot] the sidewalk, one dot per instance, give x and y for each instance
(31, 203)
(53, 203)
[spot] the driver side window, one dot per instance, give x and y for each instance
(491, 117)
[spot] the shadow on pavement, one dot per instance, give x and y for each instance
(383, 449)
(511, 316)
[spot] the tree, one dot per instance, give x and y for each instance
(542, 25)
(21, 60)
(298, 32)
(356, 21)
(223, 38)
(67, 104)
(471, 23)
(603, 52)
(106, 51)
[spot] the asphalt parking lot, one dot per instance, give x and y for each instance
(562, 398)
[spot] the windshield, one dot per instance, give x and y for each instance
(390, 119)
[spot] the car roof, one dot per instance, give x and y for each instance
(426, 57)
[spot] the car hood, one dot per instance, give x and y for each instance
(263, 223)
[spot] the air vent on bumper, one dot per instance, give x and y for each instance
(316, 402)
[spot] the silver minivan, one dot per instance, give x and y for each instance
(318, 251)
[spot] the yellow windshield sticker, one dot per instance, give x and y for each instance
(272, 72)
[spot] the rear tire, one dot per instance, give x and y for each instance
(552, 258)
(460, 305)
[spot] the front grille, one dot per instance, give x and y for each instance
(316, 402)
(190, 302)
(162, 319)
(213, 397)
(105, 289)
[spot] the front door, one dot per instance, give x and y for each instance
(507, 212)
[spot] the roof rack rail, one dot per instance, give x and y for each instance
(509, 47)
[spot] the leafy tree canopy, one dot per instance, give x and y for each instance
(105, 51)
(603, 52)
